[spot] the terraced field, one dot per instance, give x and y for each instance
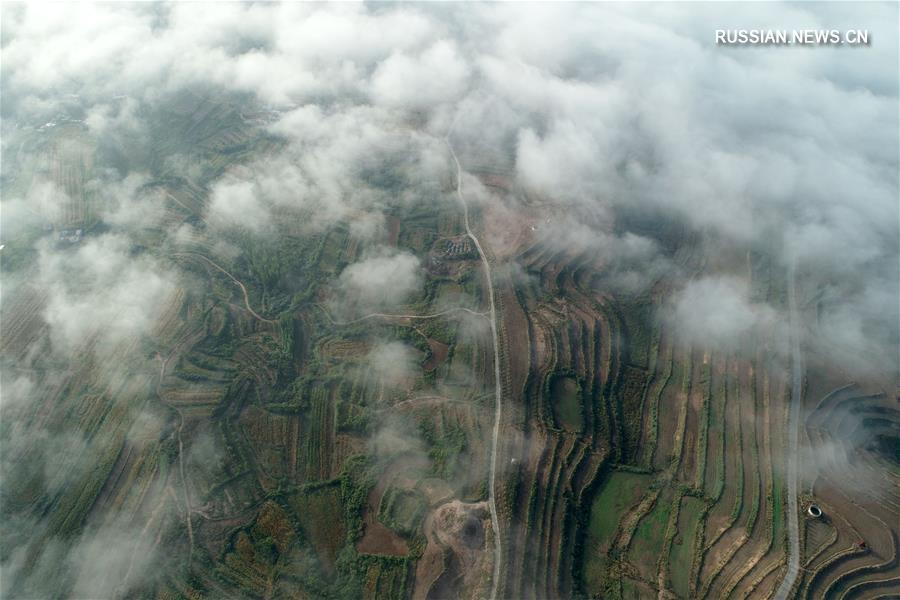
(252, 436)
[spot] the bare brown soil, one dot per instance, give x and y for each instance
(377, 538)
(344, 348)
(438, 354)
(456, 536)
(393, 231)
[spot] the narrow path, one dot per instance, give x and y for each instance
(123, 586)
(164, 363)
(389, 316)
(186, 207)
(435, 399)
(793, 569)
(187, 496)
(498, 391)
(230, 276)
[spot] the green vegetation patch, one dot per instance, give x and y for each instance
(565, 398)
(682, 555)
(638, 331)
(448, 293)
(620, 492)
(649, 536)
(441, 330)
(256, 552)
(332, 249)
(460, 370)
(320, 516)
(385, 576)
(402, 510)
(446, 446)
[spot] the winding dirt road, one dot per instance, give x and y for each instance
(230, 276)
(793, 569)
(498, 391)
(389, 316)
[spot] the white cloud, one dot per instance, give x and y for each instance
(420, 82)
(392, 362)
(235, 203)
(101, 289)
(602, 109)
(716, 313)
(381, 280)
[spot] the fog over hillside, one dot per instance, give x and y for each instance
(597, 106)
(626, 124)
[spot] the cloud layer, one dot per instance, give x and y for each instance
(624, 123)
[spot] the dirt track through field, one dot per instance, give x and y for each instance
(230, 276)
(390, 316)
(498, 391)
(793, 569)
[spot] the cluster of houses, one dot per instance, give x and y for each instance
(458, 248)
(444, 253)
(71, 236)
